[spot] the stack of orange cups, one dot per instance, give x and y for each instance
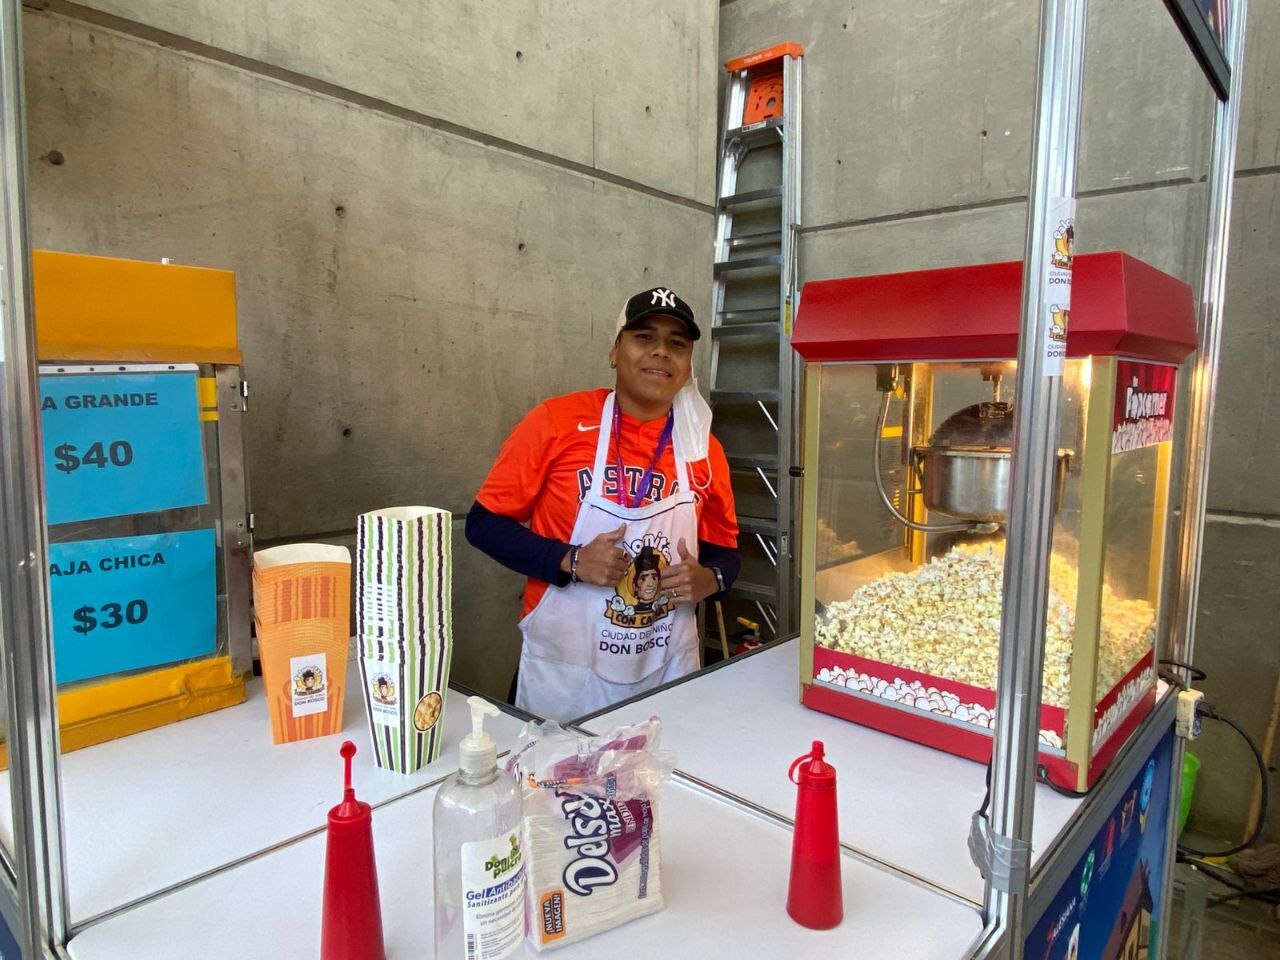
(302, 611)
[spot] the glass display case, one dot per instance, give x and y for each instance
(909, 413)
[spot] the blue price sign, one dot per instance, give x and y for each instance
(132, 602)
(121, 443)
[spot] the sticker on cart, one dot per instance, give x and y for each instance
(384, 694)
(1143, 406)
(1060, 256)
(121, 440)
(310, 686)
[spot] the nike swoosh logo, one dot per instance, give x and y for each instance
(583, 429)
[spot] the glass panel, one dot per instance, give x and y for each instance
(1131, 577)
(138, 606)
(909, 616)
(131, 591)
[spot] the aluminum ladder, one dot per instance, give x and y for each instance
(753, 368)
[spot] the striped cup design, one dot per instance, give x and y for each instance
(404, 627)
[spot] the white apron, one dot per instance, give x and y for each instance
(586, 647)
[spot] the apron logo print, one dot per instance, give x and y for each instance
(638, 600)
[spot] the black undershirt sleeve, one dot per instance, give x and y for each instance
(515, 546)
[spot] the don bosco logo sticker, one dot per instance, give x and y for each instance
(308, 681)
(1064, 242)
(308, 685)
(1058, 318)
(383, 690)
(638, 600)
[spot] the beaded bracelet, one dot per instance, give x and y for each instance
(573, 564)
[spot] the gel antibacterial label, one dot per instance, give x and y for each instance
(493, 882)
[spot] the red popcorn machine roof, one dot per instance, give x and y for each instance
(1119, 305)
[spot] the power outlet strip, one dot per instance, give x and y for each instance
(1189, 721)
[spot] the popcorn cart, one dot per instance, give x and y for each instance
(908, 427)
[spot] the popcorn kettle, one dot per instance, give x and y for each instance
(963, 470)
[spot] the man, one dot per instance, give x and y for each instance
(615, 486)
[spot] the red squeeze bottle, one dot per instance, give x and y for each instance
(351, 925)
(815, 897)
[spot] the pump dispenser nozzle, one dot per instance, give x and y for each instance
(478, 753)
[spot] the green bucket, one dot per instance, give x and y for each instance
(1190, 770)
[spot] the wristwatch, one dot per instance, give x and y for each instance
(719, 578)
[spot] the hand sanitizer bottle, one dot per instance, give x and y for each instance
(479, 854)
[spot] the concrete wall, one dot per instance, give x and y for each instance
(433, 211)
(917, 134)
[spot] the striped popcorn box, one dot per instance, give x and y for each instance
(404, 626)
(302, 605)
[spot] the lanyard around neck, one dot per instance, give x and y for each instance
(622, 498)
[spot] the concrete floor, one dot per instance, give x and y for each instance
(1247, 931)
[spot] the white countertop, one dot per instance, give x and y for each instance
(724, 875)
(160, 807)
(739, 728)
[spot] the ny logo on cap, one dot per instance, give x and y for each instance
(663, 297)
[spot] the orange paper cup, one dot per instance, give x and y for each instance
(302, 610)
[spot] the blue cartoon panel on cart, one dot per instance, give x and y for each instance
(1109, 907)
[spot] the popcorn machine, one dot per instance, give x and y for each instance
(908, 424)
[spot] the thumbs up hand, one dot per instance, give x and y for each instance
(688, 581)
(601, 561)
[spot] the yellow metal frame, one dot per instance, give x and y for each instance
(1095, 488)
(1155, 565)
(207, 398)
(102, 308)
(920, 396)
(812, 387)
(95, 713)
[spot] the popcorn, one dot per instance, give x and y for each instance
(944, 619)
(929, 699)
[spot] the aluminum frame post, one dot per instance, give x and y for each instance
(1204, 384)
(26, 644)
(1204, 379)
(1035, 443)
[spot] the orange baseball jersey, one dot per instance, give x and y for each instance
(544, 470)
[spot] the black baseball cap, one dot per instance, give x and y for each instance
(655, 302)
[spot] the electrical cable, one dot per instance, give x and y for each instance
(986, 797)
(1042, 774)
(1264, 776)
(1197, 675)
